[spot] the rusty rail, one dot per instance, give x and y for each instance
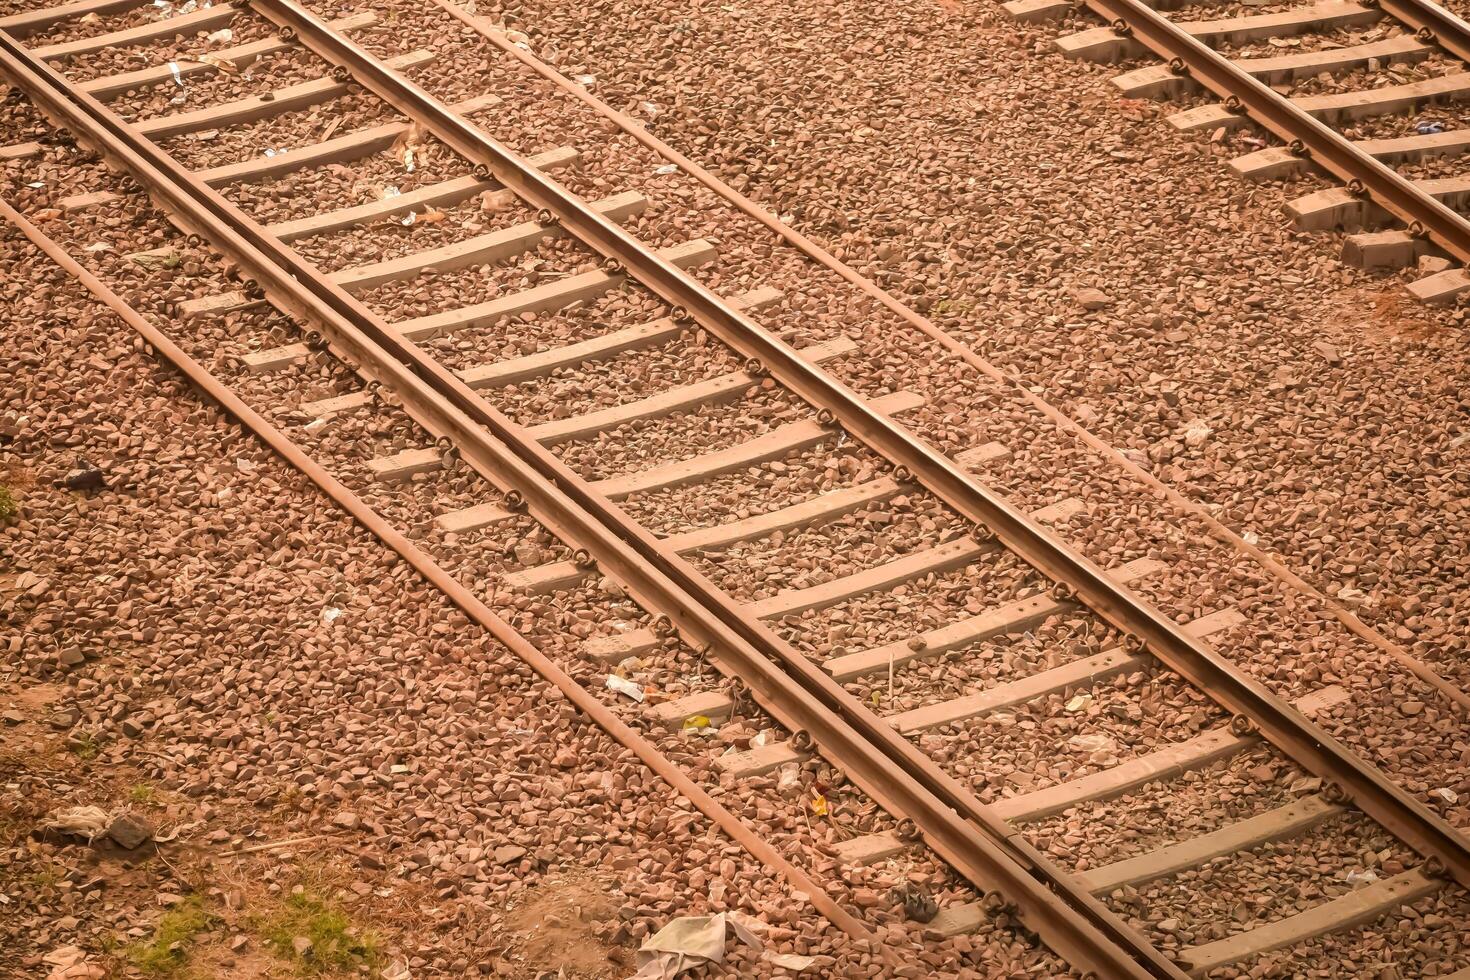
(796, 692)
(1222, 680)
(1450, 32)
(1305, 135)
(468, 603)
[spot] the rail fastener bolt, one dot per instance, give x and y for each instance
(287, 33)
(902, 474)
(1417, 230)
(1122, 28)
(1297, 148)
(1178, 67)
(340, 74)
(546, 219)
(907, 831)
(612, 266)
(680, 315)
(1434, 867)
(1358, 189)
(1241, 726)
(515, 501)
(1062, 592)
(1134, 644)
(583, 559)
(801, 741)
(1335, 794)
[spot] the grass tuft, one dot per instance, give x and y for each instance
(168, 950)
(336, 944)
(8, 507)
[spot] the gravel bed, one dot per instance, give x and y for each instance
(92, 25)
(202, 88)
(1315, 41)
(1038, 744)
(1164, 336)
(637, 446)
(879, 533)
(876, 618)
(1418, 940)
(1227, 791)
(233, 691)
(181, 623)
(1247, 890)
(1058, 640)
(911, 273)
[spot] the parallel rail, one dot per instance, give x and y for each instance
(1223, 681)
(1307, 136)
(959, 828)
(965, 833)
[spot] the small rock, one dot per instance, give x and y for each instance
(1328, 352)
(13, 717)
(302, 945)
(508, 853)
(130, 831)
(70, 657)
(1431, 264)
(1093, 299)
(238, 942)
(63, 718)
(86, 478)
(347, 820)
(1411, 708)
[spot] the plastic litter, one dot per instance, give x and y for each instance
(90, 822)
(331, 614)
(1428, 127)
(624, 687)
(690, 942)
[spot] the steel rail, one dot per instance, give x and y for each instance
(1222, 680)
(1065, 424)
(433, 573)
(796, 692)
(1306, 135)
(1449, 31)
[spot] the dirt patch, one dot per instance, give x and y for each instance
(561, 925)
(1384, 314)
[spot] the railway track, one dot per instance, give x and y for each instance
(1361, 93)
(415, 340)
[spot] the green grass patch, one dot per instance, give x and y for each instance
(8, 507)
(167, 952)
(84, 745)
(141, 793)
(335, 943)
